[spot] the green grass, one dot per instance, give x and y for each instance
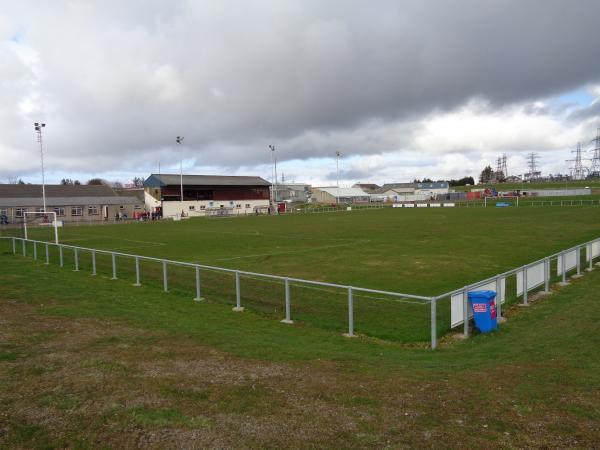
(423, 252)
(579, 184)
(541, 367)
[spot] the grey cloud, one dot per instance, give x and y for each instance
(116, 81)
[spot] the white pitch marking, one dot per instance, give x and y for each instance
(292, 251)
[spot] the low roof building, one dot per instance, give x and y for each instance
(70, 202)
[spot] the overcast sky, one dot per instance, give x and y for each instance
(402, 89)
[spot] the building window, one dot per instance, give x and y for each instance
(76, 211)
(121, 207)
(137, 207)
(60, 211)
(238, 206)
(248, 206)
(92, 210)
(3, 212)
(20, 212)
(202, 207)
(39, 210)
(192, 208)
(210, 204)
(231, 203)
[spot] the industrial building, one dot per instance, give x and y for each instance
(71, 203)
(205, 195)
(292, 192)
(339, 195)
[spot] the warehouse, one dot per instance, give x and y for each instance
(71, 203)
(205, 195)
(339, 195)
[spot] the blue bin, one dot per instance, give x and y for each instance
(483, 305)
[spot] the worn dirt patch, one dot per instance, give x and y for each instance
(92, 383)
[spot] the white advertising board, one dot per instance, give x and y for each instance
(570, 262)
(595, 250)
(456, 301)
(396, 205)
(421, 205)
(435, 205)
(535, 278)
(449, 205)
(409, 205)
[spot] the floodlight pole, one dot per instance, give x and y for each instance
(273, 176)
(179, 140)
(38, 129)
(337, 166)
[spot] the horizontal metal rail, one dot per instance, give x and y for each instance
(351, 290)
(224, 269)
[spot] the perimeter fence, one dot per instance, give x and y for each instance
(381, 314)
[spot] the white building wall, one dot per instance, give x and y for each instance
(150, 202)
(197, 208)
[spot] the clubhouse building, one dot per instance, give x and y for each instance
(206, 195)
(71, 203)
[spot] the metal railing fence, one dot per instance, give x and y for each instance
(295, 299)
(316, 302)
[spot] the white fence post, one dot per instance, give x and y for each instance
(34, 250)
(24, 247)
(14, 246)
(61, 258)
(498, 297)
(564, 268)
(137, 272)
(525, 291)
(198, 292)
(114, 266)
(76, 258)
(350, 313)
(47, 254)
(578, 256)
(93, 262)
(165, 277)
(433, 302)
(465, 313)
(288, 313)
(238, 294)
(590, 257)
(547, 275)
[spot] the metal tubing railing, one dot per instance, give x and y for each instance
(350, 289)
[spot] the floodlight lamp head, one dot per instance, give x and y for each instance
(272, 147)
(179, 139)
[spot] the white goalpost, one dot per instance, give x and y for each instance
(45, 219)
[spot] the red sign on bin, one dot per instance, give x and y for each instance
(479, 307)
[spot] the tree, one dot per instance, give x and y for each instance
(69, 182)
(138, 182)
(14, 180)
(462, 181)
(486, 175)
(96, 182)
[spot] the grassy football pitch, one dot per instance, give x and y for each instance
(421, 251)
